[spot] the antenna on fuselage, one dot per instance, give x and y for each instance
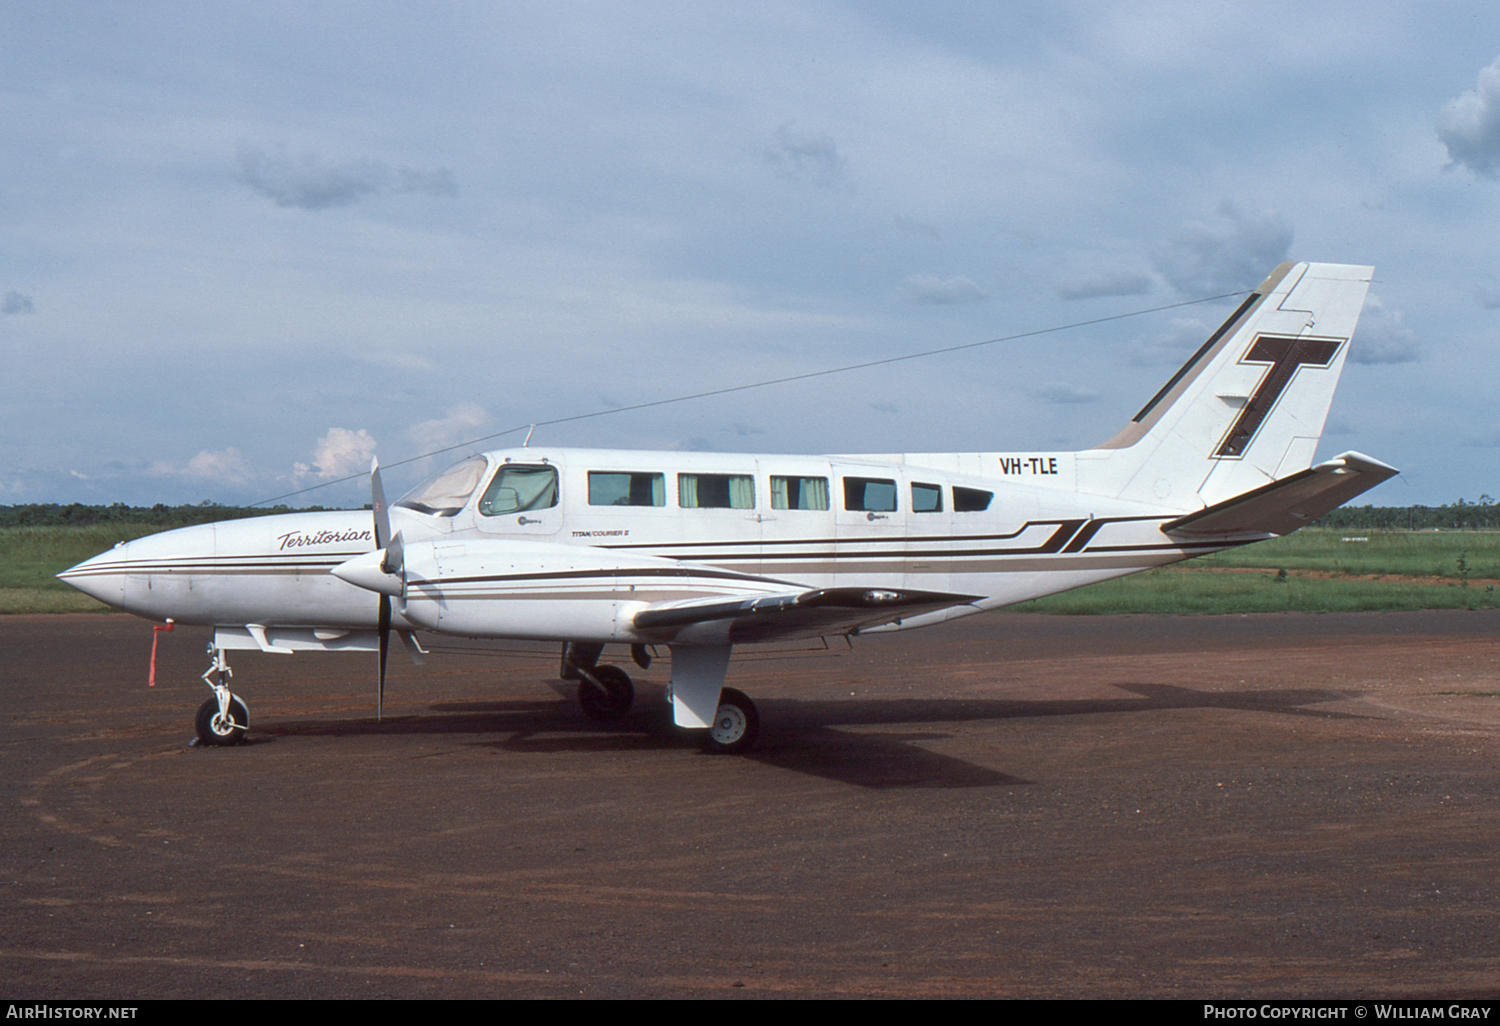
(527, 444)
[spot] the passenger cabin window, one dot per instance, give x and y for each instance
(799, 492)
(926, 498)
(611, 488)
(445, 493)
(869, 494)
(971, 500)
(518, 488)
(715, 491)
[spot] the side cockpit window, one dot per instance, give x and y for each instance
(445, 493)
(518, 488)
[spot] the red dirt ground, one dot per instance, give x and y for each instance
(1006, 806)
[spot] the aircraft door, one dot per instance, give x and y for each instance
(522, 499)
(871, 525)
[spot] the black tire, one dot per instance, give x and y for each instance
(614, 701)
(212, 730)
(735, 726)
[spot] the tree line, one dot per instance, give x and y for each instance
(77, 514)
(1483, 514)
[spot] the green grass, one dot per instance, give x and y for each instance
(1396, 553)
(31, 557)
(1313, 570)
(1174, 590)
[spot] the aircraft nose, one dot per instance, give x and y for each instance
(101, 577)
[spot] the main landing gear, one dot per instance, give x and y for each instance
(605, 693)
(735, 725)
(223, 719)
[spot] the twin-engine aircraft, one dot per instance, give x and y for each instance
(700, 552)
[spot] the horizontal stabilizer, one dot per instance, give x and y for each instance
(804, 614)
(1283, 506)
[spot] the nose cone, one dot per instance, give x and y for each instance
(364, 571)
(152, 576)
(102, 577)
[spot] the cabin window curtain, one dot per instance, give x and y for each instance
(715, 491)
(742, 492)
(814, 493)
(779, 493)
(799, 493)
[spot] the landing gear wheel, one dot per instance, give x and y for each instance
(212, 728)
(735, 724)
(610, 703)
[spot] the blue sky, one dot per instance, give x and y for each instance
(243, 247)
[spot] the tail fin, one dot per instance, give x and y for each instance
(1248, 408)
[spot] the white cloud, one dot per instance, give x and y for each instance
(1469, 125)
(227, 466)
(462, 424)
(339, 453)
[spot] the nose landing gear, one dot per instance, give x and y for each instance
(223, 719)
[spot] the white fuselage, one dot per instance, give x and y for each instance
(1000, 528)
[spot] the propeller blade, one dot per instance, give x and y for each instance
(382, 541)
(385, 645)
(377, 505)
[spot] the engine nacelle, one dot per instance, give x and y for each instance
(486, 588)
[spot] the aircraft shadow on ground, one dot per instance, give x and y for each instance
(823, 738)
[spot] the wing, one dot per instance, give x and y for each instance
(800, 614)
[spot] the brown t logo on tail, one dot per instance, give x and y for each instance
(1284, 355)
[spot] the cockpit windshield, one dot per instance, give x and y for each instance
(445, 493)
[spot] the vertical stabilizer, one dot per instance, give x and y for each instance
(1249, 406)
